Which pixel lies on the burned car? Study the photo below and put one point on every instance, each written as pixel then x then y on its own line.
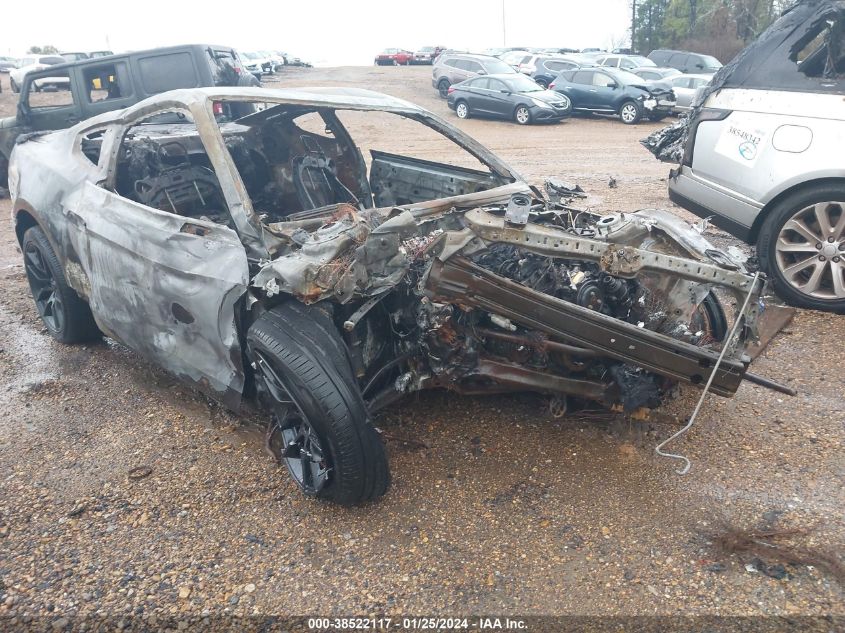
pixel 270 258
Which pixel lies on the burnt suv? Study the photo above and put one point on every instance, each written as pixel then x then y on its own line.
pixel 83 89
pixel 453 68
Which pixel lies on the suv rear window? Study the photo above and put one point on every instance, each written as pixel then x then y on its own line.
pixel 160 73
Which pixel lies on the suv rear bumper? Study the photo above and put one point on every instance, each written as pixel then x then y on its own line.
pixel 730 213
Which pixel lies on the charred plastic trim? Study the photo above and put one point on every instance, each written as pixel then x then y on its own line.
pixel 460 281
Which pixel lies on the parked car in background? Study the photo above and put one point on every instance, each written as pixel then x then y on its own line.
pixel 591 50
pixel 625 62
pixel 655 73
pixel 427 54
pixel 256 63
pixel 95 54
pixel 688 63
pixel 74 57
pixel 685 88
pixel 763 154
pixel 514 58
pixel 394 57
pixel 615 91
pixel 560 51
pixel 29 64
pixel 546 69
pixel 8 63
pixel 454 68
pixel 110 83
pixel 510 96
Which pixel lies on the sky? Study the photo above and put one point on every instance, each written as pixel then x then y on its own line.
pixel 325 32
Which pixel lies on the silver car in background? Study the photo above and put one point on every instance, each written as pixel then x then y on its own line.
pixel 763 154
pixel 685 88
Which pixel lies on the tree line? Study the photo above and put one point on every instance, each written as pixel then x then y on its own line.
pixel 720 28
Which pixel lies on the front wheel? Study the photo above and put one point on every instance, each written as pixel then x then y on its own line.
pixel 802 247
pixel 522 115
pixel 66 316
pixel 320 427
pixel 631 112
pixel 462 109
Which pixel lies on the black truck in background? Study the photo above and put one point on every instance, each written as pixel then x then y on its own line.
pixel 61 96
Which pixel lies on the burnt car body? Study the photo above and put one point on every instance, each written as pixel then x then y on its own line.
pixel 256 258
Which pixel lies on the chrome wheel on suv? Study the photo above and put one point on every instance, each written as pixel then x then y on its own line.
pixel 810 249
pixel 802 247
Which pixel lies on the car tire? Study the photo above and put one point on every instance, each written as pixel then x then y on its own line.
pixel 462 109
pixel 66 316
pixel 522 115
pixel 630 112
pixel 299 356
pixel 542 83
pixel 802 247
pixel 443 88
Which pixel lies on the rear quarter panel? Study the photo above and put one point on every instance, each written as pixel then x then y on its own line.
pixel 758 150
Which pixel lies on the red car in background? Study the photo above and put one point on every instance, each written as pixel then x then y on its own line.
pixel 394 57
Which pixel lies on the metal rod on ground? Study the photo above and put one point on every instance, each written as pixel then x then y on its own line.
pixel 725 346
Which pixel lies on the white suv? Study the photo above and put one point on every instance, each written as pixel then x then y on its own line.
pixel 763 154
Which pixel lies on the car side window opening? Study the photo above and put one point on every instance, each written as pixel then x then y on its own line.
pixel 474 67
pixel 821 51
pixel 91 144
pixel 583 77
pixel 106 81
pixel 50 92
pixel 602 80
pixel 162 163
pixel 497 85
pixel 482 83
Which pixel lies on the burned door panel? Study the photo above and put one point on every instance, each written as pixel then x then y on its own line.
pixel 398 180
pixel 166 286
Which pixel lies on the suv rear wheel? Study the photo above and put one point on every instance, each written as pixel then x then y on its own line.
pixel 802 247
pixel 443 88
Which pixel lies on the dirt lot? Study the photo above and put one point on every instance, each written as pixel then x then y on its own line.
pixel 508 511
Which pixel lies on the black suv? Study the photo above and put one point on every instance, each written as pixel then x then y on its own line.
pixel 80 90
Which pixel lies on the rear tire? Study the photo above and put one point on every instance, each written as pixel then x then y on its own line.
pixel 66 316
pixel 303 364
pixel 630 112
pixel 443 88
pixel 542 83
pixel 794 261
pixel 462 109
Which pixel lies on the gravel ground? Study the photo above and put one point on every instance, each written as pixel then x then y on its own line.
pixel 508 511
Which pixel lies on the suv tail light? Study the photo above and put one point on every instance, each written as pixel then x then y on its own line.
pixel 552 86
pixel 217 108
pixel 451 90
